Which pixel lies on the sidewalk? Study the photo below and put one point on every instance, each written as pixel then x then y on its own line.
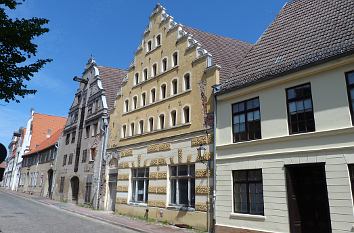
pixel 105 216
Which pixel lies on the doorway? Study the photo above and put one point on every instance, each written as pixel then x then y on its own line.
pixel 50 182
pixel 75 189
pixel 112 184
pixel 308 198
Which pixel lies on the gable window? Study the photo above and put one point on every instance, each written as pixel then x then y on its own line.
pixel 153 95
pixel 132 129
pixel 135 102
pixel 87 131
pixel 174 87
pixel 154 70
pixel 143 99
pixel 164 65
pixel 158 40
pixel 136 78
pixel 145 74
pixel 163 91
pixel 151 124
pixel 174 59
pixel 300 111
pixel 162 121
pixel 124 131
pixel 183 185
pixel 64 160
pixel 186 115
pixel 246 120
pixel 84 156
pixel 248 192
pixel 173 118
pixel 140 184
pixel 126 105
pixel 350 87
pixel 70 159
pixel 67 139
pixel 149 46
pixel 187 81
pixel 141 127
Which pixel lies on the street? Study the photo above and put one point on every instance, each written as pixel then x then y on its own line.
pixel 21 215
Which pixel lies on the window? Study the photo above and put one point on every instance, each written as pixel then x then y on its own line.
pixel 246 120
pixel 173 118
pixel 174 87
pixel 162 121
pixel 248 192
pixel 151 124
pixel 163 91
pixel 174 59
pixel 300 111
pixel 154 70
pixel 183 185
pixel 67 139
pixel 153 95
pixel 73 137
pixel 186 115
pixel 64 160
pixel 187 82
pixel 132 129
pixel 87 131
pixel 141 127
pixel 70 159
pixel 164 65
pixel 89 110
pixel 126 106
pixel 351 174
pixel 136 79
pixel 94 130
pixel 61 186
pixel 145 74
pixel 149 46
pixel 88 189
pixel 135 102
pixel 124 131
pixel 158 40
pixel 140 185
pixel 84 156
pixel 350 87
pixel 143 99
pixel 92 154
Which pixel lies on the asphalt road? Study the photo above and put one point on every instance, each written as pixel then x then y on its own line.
pixel 19 215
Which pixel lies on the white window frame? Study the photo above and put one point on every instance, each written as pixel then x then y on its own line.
pixel 184 81
pixel 134 102
pixel 191 178
pixel 152 75
pixel 171 93
pixel 164 121
pixel 147 46
pixel 134 184
pixel 161 91
pixel 136 78
pixel 183 114
pixel 162 70
pixel 154 88
pixel 142 99
pixel 126 105
pixel 173 64
pixel 176 118
pixel 132 129
pixel 124 131
pixel 156 44
pixel 151 129
pixel 147 74
pixel 141 130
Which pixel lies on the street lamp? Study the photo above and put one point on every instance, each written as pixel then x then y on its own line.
pixel 80 80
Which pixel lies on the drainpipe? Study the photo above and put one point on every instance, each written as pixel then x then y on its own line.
pixel 54 168
pixel 103 153
pixel 216 89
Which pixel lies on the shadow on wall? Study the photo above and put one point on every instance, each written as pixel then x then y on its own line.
pixel 3 153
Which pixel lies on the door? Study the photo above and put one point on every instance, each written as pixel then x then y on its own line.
pixel 75 189
pixel 112 191
pixel 308 199
pixel 50 182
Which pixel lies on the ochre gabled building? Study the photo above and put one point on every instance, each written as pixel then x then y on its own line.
pixel 161 128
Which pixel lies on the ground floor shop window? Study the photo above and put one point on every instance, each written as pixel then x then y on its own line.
pixel 248 192
pixel 183 185
pixel 140 185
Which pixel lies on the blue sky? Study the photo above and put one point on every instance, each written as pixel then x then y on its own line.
pixel 111 30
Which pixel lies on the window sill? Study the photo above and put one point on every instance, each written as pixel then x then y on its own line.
pixel 180 208
pixel 152 50
pixel 155 77
pixel 247 217
pixel 141 204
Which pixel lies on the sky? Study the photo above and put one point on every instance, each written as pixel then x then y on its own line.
pixel 110 31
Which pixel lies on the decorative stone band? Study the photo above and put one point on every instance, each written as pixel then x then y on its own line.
pixel 202 140
pixel 158 147
pixel 158 162
pixel 121 200
pixel 203 190
pixel 157 189
pixel 122 188
pixel 206 156
pixel 201 206
pixel 123 165
pixel 123 177
pixel 157 175
pixel 126 153
pixel 202 173
pixel 161 204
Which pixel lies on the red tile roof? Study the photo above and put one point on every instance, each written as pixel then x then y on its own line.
pixel 48 142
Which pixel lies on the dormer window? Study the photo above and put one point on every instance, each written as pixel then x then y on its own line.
pixel 136 79
pixel 158 40
pixel 174 59
pixel 164 65
pixel 149 46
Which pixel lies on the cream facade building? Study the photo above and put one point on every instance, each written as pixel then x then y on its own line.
pixel 161 142
pixel 285 136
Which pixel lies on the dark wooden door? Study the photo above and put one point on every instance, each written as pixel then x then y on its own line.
pixel 308 199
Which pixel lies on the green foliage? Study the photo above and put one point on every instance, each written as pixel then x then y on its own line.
pixel 16 47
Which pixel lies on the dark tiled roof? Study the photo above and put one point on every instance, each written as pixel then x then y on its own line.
pixel 305 33
pixel 111 80
pixel 226 52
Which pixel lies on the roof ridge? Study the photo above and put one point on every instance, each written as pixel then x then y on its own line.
pixel 51 115
pixel 111 67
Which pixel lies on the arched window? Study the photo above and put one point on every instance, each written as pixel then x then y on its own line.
pixel 143 99
pixel 174 87
pixel 174 59
pixel 186 114
pixel 126 106
pixel 164 65
pixel 145 74
pixel 124 131
pixel 173 119
pixel 154 70
pixel 135 102
pixel 187 81
pixel 136 78
pixel 158 40
pixel 132 129
pixel 151 124
pixel 163 91
pixel 162 121
pixel 149 46
pixel 152 95
pixel 141 127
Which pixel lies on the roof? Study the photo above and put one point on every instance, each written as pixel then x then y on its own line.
pixel 305 33
pixel 226 52
pixel 49 142
pixel 112 81
pixel 43 124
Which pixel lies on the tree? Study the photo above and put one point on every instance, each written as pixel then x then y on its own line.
pixel 16 47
